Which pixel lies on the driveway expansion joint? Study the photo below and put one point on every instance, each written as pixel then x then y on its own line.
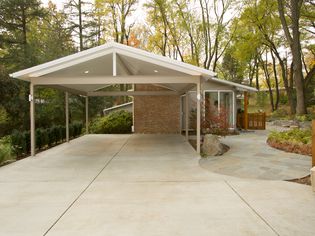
pixel 252 208
pixel 84 190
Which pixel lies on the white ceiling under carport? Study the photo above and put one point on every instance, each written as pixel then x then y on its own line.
pixel 95 67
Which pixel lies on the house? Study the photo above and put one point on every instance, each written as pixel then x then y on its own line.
pixel 164 90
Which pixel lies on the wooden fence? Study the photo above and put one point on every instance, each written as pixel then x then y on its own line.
pixel 256 121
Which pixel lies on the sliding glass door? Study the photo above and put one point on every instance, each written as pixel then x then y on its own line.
pixel 219 102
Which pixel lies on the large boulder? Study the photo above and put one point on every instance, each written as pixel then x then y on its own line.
pixel 212 146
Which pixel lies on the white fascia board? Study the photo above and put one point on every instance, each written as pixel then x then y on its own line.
pixel 105 49
pixel 162 60
pixel 239 86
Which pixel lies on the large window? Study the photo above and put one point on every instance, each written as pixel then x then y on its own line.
pixel 217 102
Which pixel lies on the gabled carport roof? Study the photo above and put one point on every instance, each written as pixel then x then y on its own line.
pixel 113 63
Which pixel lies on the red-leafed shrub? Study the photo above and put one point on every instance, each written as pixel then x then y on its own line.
pixel 215 120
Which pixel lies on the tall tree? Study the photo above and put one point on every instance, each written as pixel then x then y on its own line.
pixel 119 11
pixel 293 38
pixel 15 19
pixel 50 38
pixel 81 21
pixel 216 36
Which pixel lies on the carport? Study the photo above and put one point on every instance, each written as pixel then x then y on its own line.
pixel 86 73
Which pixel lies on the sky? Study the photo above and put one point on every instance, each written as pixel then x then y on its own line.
pixel 59 3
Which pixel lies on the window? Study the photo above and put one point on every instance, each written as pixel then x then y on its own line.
pixel 216 101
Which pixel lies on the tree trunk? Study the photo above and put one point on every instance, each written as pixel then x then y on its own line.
pixel 274 66
pixel 80 25
pixel 295 46
pixel 297 60
pixel 287 84
pixel 257 74
pixel 264 65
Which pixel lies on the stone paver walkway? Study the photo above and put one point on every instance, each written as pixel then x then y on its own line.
pixel 251 157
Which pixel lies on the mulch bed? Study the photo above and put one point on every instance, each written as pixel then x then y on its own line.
pixel 304 149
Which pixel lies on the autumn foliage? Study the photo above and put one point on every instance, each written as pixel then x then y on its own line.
pixel 215 120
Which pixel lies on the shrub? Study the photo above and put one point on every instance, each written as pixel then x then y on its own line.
pixel 5 149
pixel 18 142
pixel 279 114
pixel 216 121
pixel 119 122
pixel 26 142
pixel 44 137
pixel 297 136
pixel 51 136
pixel 63 132
pixel 302 118
pixel 296 141
pixel 21 143
pixel 38 138
pixel 71 130
pixel 77 128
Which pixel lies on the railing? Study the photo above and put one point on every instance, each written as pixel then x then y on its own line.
pixel 256 121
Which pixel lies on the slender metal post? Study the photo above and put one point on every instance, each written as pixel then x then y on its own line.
pixel 198 116
pixel 186 115
pixel 67 115
pixel 86 114
pixel 32 118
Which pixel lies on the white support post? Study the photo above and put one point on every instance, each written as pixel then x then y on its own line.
pixel 186 114
pixel 67 115
pixel 198 116
pixel 86 114
pixel 32 118
pixel 234 111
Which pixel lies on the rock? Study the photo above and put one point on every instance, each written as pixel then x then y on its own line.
pixel 212 146
pixel 285 123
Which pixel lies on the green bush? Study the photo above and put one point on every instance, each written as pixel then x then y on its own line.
pixel 295 136
pixel 41 138
pixel 281 113
pixel 5 149
pixel 77 128
pixel 18 142
pixel 27 142
pixel 307 117
pixel 38 138
pixel 21 142
pixel 51 136
pixel 119 122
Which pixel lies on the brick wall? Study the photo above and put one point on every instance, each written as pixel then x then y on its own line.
pixel 156 114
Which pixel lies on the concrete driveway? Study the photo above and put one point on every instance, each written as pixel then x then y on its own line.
pixel 143 185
